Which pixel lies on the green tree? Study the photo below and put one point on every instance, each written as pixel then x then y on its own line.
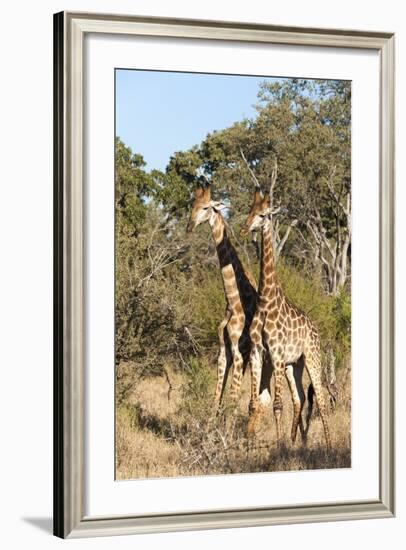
pixel 169 296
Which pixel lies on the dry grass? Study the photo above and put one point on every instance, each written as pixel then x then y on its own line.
pixel 161 433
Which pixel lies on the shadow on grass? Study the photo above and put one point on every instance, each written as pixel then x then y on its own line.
pixel 296 459
pixel 161 427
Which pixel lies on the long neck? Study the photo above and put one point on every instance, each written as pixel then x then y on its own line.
pixel 268 283
pixel 218 229
pixel 230 266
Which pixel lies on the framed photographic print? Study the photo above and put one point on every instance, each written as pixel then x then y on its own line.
pixel 224 293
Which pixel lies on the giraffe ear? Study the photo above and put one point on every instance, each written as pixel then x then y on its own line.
pixel 218 205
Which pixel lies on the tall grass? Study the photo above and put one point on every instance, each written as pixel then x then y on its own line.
pixel 163 430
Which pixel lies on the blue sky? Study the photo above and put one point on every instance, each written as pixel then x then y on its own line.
pixel 158 113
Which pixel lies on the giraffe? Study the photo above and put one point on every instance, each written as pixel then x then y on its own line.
pixel 282 329
pixel 241 301
pixel 241 304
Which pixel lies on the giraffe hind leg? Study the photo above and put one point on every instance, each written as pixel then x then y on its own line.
pixel 235 329
pixel 294 375
pixel 310 401
pixel 224 361
pixel 255 364
pixel 313 366
pixel 298 374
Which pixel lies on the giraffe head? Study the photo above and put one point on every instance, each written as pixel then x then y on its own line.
pixel 261 211
pixel 203 207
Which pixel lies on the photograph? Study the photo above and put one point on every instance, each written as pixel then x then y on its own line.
pixel 232 274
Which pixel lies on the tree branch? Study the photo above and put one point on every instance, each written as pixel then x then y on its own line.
pixel 345 208
pixel 274 176
pixel 322 233
pixel 250 169
pixel 282 242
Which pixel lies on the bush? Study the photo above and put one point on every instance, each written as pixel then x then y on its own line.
pixel 198 390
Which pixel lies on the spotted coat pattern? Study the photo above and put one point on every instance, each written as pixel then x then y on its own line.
pixel 285 332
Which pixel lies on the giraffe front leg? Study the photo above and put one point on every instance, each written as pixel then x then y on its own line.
pixel 238 363
pixel 237 373
pixel 255 364
pixel 260 382
pixel 298 374
pixel 294 378
pixel 235 329
pixel 223 363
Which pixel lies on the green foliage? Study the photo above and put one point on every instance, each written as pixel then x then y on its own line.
pixel 208 299
pixel 172 192
pixel 132 186
pixel 342 316
pixel 144 322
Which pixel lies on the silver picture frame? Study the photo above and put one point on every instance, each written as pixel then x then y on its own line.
pixel 70 520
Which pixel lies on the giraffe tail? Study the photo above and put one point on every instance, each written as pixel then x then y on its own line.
pixel 333 392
